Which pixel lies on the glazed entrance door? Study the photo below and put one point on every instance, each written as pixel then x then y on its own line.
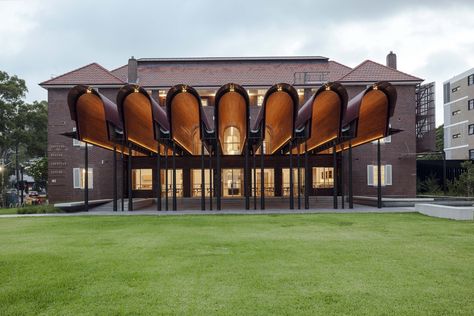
pixel 232 182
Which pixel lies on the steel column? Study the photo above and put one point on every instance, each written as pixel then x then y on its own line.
pixel 379 177
pixel 246 179
pixel 86 178
pixel 307 171
pixel 115 179
pixel 129 171
pixel 203 186
pixel 342 177
pixel 122 195
pixel 158 176
pixel 210 180
pixel 351 194
pixel 298 175
pixel 262 179
pixel 292 203
pixel 254 179
pixel 174 177
pixel 334 176
pixel 218 176
pixel 166 178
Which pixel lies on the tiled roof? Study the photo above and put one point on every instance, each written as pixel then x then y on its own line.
pixel 246 73
pixel 370 71
pixel 92 74
pixel 121 73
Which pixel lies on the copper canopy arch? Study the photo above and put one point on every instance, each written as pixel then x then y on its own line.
pixel 275 122
pixel 144 121
pixel 321 116
pixel 368 115
pixel 232 111
pixel 97 118
pixel 186 118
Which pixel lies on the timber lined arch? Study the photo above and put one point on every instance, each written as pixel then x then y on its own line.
pixel 184 110
pixel 97 119
pixel 232 110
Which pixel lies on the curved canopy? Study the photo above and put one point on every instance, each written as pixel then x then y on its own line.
pixel 276 120
pixel 143 119
pixel 231 113
pixel 322 115
pixel 97 118
pixel 368 114
pixel 186 118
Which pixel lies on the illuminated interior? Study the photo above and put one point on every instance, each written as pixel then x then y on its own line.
pixel 232 113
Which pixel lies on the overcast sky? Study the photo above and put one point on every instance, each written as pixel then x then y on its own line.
pixel 433 39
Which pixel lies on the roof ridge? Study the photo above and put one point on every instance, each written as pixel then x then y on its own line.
pixel 79 69
pixel 378 64
pixel 119 68
pixel 340 64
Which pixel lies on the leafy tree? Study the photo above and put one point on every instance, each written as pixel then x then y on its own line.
pixel 38 169
pixel 464 185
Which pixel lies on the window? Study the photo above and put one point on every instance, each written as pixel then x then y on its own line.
pixel 231 141
pixel 456 112
pixel 470 104
pixel 268 182
pixel 471 129
pixel 204 102
pixel 285 190
pixel 259 100
pixel 76 142
pixel 323 178
pixel 470 80
pixel 455 89
pixel 456 135
pixel 372 175
pixel 142 179
pixel 179 182
pixel 196 181
pixel 471 154
pixel 79 178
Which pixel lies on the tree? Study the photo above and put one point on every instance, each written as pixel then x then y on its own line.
pixel 38 169
pixel 464 185
pixel 439 141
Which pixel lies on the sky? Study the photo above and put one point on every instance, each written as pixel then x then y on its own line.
pixel 433 40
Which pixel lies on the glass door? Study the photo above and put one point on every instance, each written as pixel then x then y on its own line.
pixel 232 182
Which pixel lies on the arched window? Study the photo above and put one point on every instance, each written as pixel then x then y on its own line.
pixel 231 144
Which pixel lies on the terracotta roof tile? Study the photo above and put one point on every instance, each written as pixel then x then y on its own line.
pixel 92 74
pixel 370 71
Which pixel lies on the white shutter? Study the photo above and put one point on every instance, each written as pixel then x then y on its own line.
pixel 75 142
pixel 388 174
pixel 370 175
pixel 90 179
pixel 76 176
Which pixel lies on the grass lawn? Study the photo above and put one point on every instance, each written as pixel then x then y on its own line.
pixel 318 264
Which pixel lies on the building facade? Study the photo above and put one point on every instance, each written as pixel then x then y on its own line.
pixel 458 95
pixel 256 75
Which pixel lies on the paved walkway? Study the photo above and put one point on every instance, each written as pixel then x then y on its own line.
pixel 149 212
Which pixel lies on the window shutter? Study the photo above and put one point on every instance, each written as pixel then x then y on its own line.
pixel 76 175
pixel 370 175
pixel 388 174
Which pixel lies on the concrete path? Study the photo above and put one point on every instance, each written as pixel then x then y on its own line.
pixel 357 209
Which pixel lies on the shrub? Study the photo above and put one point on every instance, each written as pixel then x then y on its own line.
pixel 38 209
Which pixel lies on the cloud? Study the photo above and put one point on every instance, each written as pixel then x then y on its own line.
pixel 433 40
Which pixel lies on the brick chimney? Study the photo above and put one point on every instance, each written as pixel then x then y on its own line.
pixel 132 70
pixel 392 60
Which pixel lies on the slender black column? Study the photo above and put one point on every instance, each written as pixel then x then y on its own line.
pixel 115 179
pixel 254 180
pixel 342 177
pixel 122 195
pixel 203 186
pixel 379 177
pixel 86 178
pixel 210 179
pixel 292 203
pixel 130 198
pixel 174 177
pixel 298 174
pixel 218 178
pixel 246 179
pixel 166 178
pixel 262 179
pixel 335 177
pixel 444 173
pixel 351 194
pixel 158 181
pixel 307 171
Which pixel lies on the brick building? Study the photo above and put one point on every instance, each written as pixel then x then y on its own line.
pixel 256 75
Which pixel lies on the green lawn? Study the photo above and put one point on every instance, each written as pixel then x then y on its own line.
pixel 363 264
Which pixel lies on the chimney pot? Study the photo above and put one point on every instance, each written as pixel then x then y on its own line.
pixel 132 70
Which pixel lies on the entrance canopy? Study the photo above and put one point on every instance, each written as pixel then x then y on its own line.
pixel 325 121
